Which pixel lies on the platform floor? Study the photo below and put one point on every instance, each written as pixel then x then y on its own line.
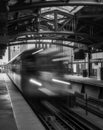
pixel 7 120
pixel 15 114
pixel 85 80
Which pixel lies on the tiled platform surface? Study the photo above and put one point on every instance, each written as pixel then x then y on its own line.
pixel 15 114
pixel 7 120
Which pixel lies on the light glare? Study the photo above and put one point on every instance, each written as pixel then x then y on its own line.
pixel 60 81
pixel 35 82
pixel 47 91
pixel 37 51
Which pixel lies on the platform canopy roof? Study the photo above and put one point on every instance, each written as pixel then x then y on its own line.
pixel 75 21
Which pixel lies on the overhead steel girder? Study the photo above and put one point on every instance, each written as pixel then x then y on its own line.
pixel 42 38
pixel 64 13
pixel 48 12
pixel 58 12
pixel 53 43
pixel 52 33
pixel 20 19
pixel 30 17
pixel 48 38
pixel 90 16
pixel 55 3
pixel 65 23
pixel 51 21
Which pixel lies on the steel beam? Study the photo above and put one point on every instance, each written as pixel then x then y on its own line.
pixel 39 42
pixel 10 22
pixel 51 38
pixel 52 33
pixel 65 23
pixel 91 16
pixel 55 3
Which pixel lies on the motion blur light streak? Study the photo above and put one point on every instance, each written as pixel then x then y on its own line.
pixel 60 59
pixel 46 91
pixel 60 81
pixel 37 51
pixel 35 82
pixel 31 41
pixel 50 50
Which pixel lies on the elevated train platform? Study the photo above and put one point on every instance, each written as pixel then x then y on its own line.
pixel 86 85
pixel 15 114
pixel 7 119
pixel 85 80
pixel 75 29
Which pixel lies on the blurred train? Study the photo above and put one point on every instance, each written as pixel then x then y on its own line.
pixel 39 73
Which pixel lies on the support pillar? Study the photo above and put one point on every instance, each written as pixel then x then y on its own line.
pixel 9 56
pixel 89 64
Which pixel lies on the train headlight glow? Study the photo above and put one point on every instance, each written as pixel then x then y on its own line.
pixel 60 81
pixel 35 82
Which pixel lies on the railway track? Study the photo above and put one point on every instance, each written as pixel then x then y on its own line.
pixel 50 119
pixel 75 119
pixel 91 100
pixel 90 106
pixel 95 101
pixel 56 117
